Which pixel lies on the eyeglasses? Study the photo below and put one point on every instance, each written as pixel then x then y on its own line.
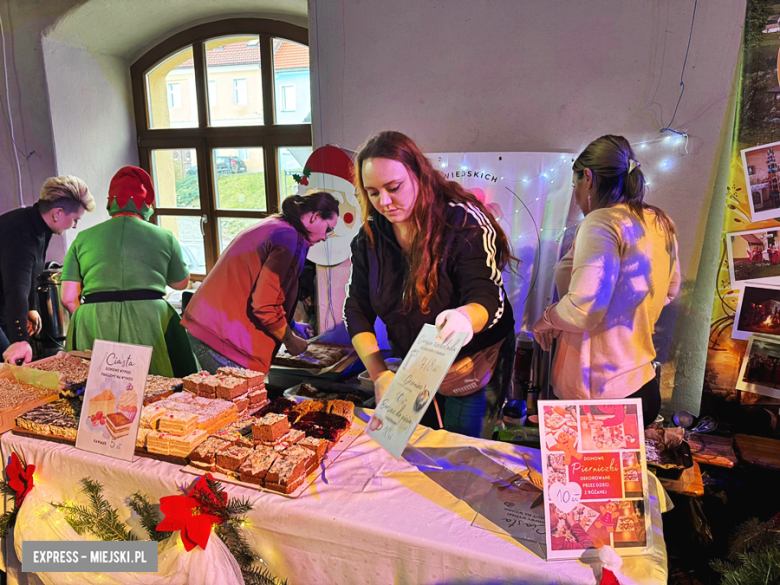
pixel 329 233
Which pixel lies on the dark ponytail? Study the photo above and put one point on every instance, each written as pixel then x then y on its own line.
pixel 618 178
pixel 295 206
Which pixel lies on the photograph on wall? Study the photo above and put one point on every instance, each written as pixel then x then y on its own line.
pixel 758 311
pixel 754 256
pixel 760 371
pixel 595 472
pixel 762 176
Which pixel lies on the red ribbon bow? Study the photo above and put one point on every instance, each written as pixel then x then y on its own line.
pixel 20 478
pixel 186 514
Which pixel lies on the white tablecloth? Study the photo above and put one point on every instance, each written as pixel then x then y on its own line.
pixel 367 519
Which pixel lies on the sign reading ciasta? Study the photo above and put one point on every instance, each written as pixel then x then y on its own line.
pixel 113 399
pixel 412 390
pixel 595 476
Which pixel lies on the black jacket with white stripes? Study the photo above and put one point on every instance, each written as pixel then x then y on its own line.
pixel 467 274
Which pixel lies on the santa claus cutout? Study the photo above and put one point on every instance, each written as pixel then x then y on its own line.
pixel 330 169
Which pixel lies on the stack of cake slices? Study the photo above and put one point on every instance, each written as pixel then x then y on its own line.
pixel 244 388
pixel 178 424
pixel 276 450
pixel 59 418
pixel 160 387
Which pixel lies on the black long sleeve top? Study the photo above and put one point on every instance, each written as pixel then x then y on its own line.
pixel 25 238
pixel 467 274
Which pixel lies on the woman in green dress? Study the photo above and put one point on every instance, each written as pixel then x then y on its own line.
pixel 121 267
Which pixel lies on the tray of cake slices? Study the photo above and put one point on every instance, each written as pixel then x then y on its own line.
pixel 72 371
pixel 320 358
pixel 326 390
pixel 283 448
pixel 22 390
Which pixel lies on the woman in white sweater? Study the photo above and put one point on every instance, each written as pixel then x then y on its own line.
pixel 619 274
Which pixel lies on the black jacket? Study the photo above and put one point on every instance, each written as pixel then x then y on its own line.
pixel 25 239
pixel 467 274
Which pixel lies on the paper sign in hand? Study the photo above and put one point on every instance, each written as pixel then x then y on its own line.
pixel 412 390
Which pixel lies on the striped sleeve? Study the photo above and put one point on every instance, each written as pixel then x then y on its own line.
pixel 477 275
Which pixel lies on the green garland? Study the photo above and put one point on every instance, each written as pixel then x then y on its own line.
pixel 754 555
pixel 8 519
pixel 102 520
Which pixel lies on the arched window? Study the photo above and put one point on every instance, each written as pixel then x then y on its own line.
pixel 223 116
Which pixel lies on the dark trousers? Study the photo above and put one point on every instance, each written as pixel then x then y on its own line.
pixel 4 343
pixel 650 394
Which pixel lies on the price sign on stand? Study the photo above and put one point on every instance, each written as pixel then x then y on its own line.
pixel 412 390
pixel 595 476
pixel 113 399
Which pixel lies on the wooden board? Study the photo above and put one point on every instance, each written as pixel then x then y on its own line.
pixel 342 445
pixel 690 482
pixel 758 451
pixel 712 450
pixel 58 439
pixel 8 417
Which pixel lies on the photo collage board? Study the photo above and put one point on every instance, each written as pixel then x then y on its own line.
pixel 595 477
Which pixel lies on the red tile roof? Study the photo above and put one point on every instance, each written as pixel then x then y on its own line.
pixel 287 55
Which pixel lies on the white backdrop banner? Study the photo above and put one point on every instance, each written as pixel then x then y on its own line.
pixel 529 193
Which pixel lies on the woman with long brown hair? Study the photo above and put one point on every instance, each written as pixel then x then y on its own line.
pixel 430 252
pixel 621 271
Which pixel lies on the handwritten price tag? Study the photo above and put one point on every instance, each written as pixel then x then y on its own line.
pixel 565 497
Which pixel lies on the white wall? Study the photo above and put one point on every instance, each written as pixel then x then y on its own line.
pixel 92 119
pixel 493 75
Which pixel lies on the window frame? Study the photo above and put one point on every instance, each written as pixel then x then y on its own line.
pixel 205 139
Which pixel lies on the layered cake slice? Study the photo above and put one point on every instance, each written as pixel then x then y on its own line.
pixel 287 473
pixel 159 387
pixel 140 440
pixel 183 446
pixel 342 408
pixel 150 414
pixel 192 382
pixel 230 458
pixel 157 442
pixel 289 438
pixel 308 456
pixel 207 388
pixel 229 387
pixel 118 425
pixel 256 466
pixel 178 423
pixel 257 396
pixel 241 402
pixel 205 455
pixel 253 379
pixel 271 427
pixel 318 446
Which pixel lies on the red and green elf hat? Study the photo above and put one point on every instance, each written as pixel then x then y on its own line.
pixel 131 191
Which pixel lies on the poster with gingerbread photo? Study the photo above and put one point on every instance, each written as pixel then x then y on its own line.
pixel 113 399
pixel 595 477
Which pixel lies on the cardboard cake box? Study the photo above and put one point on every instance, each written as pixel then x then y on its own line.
pixel 44 380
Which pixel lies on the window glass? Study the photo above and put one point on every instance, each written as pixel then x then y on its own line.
pixel 188 231
pixel 240 181
pixel 291 82
pixel 290 160
pixel 175 177
pixel 170 92
pixel 233 70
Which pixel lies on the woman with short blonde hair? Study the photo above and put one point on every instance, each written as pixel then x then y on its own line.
pixel 67 192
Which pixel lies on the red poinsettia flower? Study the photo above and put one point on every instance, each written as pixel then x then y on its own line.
pixel 184 513
pixel 203 493
pixel 20 478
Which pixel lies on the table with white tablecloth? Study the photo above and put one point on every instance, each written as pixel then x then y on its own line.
pixel 368 518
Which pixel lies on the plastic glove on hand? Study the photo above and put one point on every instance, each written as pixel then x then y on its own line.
pixel 453 321
pixel 303 330
pixel 382 383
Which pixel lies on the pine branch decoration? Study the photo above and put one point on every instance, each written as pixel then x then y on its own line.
pixel 99 518
pixel 754 556
pixel 147 513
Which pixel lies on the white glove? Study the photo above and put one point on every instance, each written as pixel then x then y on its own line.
pixel 382 383
pixel 453 321
pixel 303 330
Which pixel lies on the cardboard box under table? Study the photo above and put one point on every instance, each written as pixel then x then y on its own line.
pixel 368 518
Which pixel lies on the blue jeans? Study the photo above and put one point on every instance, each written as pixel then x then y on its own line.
pixel 475 415
pixel 208 358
